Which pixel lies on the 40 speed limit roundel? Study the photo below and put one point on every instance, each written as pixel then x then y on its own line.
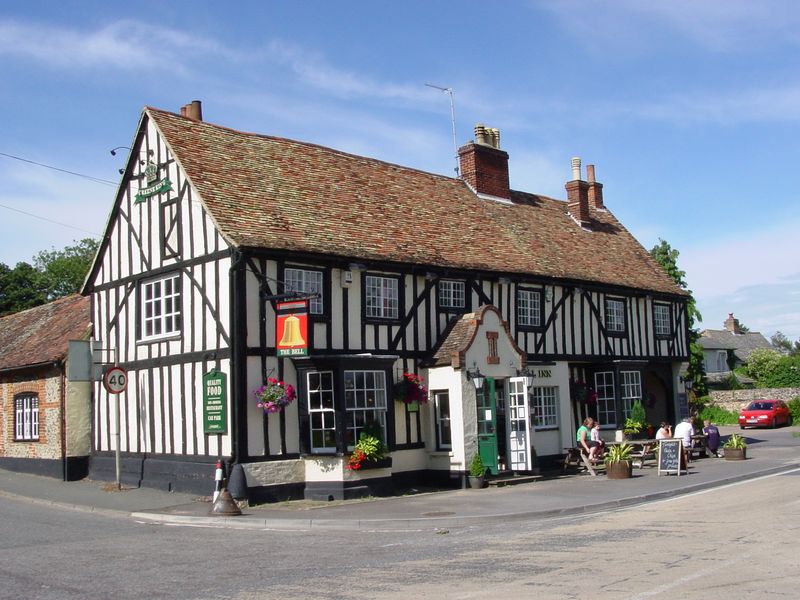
pixel 115 380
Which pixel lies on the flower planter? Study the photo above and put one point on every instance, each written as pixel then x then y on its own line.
pixel 619 470
pixel 384 463
pixel 735 453
pixel 476 483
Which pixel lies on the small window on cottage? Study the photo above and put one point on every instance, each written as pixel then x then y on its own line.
pixel 615 315
pixel 661 320
pixel 306 281
pixel 161 307
pixel 26 417
pixel 529 308
pixel 382 300
pixel 452 295
pixel 441 401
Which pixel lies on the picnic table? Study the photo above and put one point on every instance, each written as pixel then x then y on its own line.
pixel 643 450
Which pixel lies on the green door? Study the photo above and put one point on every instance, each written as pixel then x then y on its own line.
pixel 487 425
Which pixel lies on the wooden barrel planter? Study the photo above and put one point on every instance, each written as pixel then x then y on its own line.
pixel 619 470
pixel 735 453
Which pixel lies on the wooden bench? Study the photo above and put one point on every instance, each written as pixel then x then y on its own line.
pixel 576 457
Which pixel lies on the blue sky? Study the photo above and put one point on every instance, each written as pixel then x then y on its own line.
pixel 690 110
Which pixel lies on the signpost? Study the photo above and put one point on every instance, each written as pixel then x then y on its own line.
pixel 215 402
pixel 115 381
pixel 670 456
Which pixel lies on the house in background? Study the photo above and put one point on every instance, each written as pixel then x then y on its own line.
pixel 45 420
pixel 522 313
pixel 729 348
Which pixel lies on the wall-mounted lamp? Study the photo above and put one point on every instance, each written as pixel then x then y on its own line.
pixel 548 294
pixel 476 376
pixel 430 276
pixel 578 291
pixel 504 281
pixel 356 267
pixel 528 375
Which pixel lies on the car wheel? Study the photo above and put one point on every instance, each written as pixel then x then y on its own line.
pixel 741 426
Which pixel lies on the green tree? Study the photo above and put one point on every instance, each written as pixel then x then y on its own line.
pixel 782 343
pixel 64 270
pixel 54 274
pixel 667 257
pixel 21 288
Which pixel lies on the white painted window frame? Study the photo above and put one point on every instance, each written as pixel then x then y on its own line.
pixel 306 281
pixel 365 397
pixel 382 297
pixel 529 308
pixel 544 405
pixel 452 294
pixel 631 389
pixel 615 315
pixel 443 421
pixel 317 411
pixel 606 398
pixel 166 304
pixel 26 418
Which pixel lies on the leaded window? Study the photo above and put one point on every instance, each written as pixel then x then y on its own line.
pixel 26 417
pixel 529 308
pixel 306 281
pixel 452 295
pixel 382 297
pixel 161 307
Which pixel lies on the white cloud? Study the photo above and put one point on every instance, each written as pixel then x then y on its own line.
pixel 117 46
pixel 717 25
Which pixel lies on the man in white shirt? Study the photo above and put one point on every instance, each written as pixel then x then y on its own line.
pixel 684 431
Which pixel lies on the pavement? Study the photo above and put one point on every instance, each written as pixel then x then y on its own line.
pixel 769 452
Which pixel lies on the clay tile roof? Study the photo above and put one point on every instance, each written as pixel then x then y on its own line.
pixel 268 192
pixel 40 335
pixel 457 340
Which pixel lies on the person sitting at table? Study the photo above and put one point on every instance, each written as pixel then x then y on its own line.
pixel 601 445
pixel 712 437
pixel 664 432
pixel 584 439
pixel 684 430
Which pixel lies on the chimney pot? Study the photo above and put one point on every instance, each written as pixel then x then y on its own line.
pixel 194 110
pixel 595 189
pixel 483 165
pixel 576 168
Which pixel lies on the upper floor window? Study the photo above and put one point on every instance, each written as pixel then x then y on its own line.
pixel 306 281
pixel 529 308
pixel 382 297
pixel 661 320
pixel 452 295
pixel 615 315
pixel 26 417
pixel 161 307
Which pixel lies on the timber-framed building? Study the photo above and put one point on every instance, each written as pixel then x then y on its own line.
pixel 551 304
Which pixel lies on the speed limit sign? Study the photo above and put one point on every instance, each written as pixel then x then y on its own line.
pixel 115 380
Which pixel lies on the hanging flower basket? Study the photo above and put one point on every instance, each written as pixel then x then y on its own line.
pixel 411 389
pixel 274 395
pixel 582 392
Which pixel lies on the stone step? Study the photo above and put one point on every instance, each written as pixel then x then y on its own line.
pixel 504 480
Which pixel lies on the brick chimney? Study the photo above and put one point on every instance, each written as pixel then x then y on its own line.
pixel 483 165
pixel 193 110
pixel 595 189
pixel 578 195
pixel 732 324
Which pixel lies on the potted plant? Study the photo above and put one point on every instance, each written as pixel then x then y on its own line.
pixel 477 471
pixel 619 464
pixel 735 448
pixel 369 451
pixel 636 423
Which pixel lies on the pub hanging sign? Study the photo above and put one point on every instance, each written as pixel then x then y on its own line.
pixel 154 184
pixel 215 402
pixel 291 329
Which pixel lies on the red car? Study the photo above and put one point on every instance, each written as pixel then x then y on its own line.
pixel 765 413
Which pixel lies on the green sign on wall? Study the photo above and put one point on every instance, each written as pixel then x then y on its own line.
pixel 215 402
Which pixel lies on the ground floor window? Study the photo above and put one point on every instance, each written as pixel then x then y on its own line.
pixel 631 384
pixel 365 400
pixel 606 398
pixel 441 401
pixel 321 411
pixel 341 398
pixel 544 406
pixel 26 417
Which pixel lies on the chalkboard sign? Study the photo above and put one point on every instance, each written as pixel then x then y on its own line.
pixel 670 453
